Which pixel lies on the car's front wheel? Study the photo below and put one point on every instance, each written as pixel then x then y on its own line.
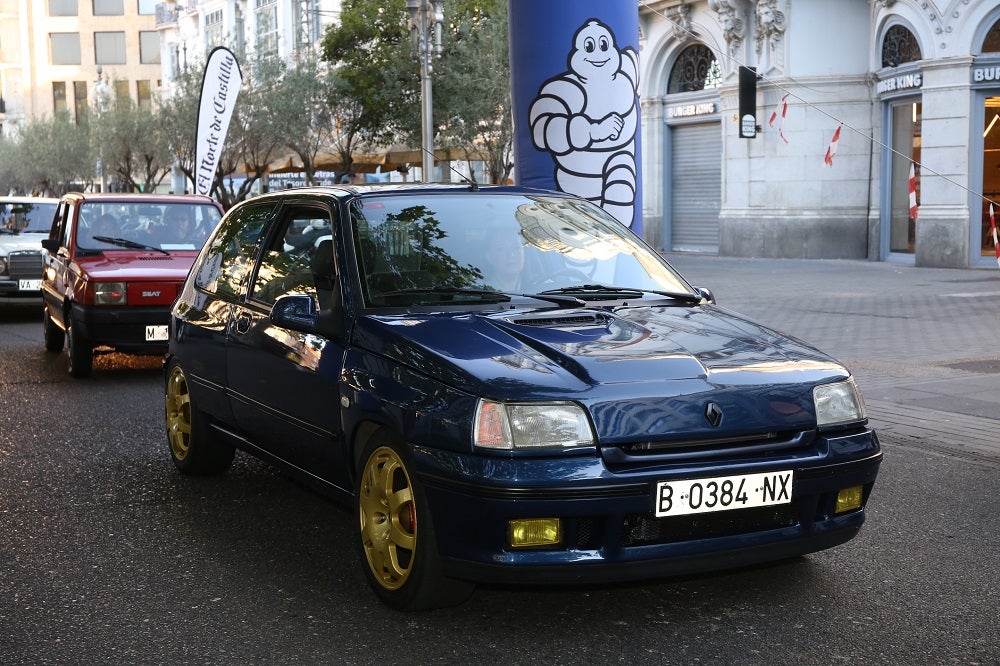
pixel 55 337
pixel 194 448
pixel 397 538
pixel 80 352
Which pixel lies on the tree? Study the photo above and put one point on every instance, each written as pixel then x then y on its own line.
pixel 378 81
pixel 474 111
pixel 50 155
pixel 373 58
pixel 307 106
pixel 178 118
pixel 131 145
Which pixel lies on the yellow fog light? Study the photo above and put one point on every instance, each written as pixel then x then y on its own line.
pixel 849 499
pixel 527 532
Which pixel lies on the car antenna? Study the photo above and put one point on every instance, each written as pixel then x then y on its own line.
pixel 473 185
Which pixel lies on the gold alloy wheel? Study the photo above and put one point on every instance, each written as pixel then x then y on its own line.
pixel 388 518
pixel 178 405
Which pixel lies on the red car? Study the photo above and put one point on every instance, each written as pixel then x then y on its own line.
pixel 115 265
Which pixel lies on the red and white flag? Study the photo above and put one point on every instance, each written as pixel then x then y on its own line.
pixel 779 115
pixel 913 193
pixel 996 242
pixel 831 150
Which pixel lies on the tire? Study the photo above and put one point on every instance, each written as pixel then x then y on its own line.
pixel 194 448
pixel 398 545
pixel 55 337
pixel 80 352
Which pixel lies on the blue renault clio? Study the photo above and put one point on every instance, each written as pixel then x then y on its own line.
pixel 509 386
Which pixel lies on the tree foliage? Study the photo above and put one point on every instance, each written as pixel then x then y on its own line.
pixel 474 112
pixel 49 156
pixel 130 143
pixel 373 57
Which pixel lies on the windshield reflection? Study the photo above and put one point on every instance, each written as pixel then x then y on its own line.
pixel 163 226
pixel 425 253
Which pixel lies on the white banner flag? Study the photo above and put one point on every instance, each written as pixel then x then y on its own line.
pixel 219 87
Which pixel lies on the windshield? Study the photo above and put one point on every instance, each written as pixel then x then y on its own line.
pixel 27 217
pixel 131 225
pixel 444 247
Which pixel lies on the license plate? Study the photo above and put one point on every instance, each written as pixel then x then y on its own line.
pixel 156 333
pixel 722 493
pixel 29 285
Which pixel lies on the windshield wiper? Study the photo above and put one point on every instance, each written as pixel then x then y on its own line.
pixel 131 244
pixel 448 292
pixel 600 291
pixel 490 295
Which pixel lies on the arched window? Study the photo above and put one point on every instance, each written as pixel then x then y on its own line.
pixel 696 69
pixel 899 46
pixel 992 42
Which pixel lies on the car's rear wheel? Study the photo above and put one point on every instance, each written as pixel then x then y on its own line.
pixel 194 448
pixel 55 337
pixel 397 538
pixel 80 352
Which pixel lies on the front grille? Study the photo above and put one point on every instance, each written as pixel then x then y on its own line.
pixel 25 265
pixel 759 445
pixel 645 529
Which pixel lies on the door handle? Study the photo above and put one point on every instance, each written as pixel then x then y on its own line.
pixel 242 323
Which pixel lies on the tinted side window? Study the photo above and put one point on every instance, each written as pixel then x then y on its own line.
pixel 290 262
pixel 229 256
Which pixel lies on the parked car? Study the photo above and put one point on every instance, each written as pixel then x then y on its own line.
pixel 509 386
pixel 24 221
pixel 114 266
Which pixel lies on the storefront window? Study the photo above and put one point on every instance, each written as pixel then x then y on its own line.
pixel 906 153
pixel 991 169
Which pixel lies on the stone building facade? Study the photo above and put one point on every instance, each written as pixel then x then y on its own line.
pixel 909 88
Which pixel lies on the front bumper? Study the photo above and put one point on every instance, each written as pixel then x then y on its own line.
pixel 11 289
pixel 609 532
pixel 125 329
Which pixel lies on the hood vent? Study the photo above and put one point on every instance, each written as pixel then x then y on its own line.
pixel 579 319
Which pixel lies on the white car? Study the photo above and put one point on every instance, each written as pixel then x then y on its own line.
pixel 24 222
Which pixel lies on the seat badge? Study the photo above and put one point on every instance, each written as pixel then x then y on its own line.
pixel 714 414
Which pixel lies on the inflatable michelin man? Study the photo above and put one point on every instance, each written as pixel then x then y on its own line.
pixel 586 119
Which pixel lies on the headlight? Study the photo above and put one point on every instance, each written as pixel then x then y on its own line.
pixel 531 426
pixel 838 403
pixel 109 293
pixel 3 265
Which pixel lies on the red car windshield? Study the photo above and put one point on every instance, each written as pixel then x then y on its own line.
pixel 130 225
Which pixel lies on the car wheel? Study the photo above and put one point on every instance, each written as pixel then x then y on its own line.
pixel 194 448
pixel 55 337
pixel 397 538
pixel 80 352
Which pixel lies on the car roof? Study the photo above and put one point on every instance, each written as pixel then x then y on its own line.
pixel 27 199
pixel 138 197
pixel 350 190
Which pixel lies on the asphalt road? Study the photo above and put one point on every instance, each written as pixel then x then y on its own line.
pixel 108 556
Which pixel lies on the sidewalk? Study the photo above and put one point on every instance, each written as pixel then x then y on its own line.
pixel 923 343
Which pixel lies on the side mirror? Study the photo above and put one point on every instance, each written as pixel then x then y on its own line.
pixel 298 312
pixel 51 244
pixel 706 294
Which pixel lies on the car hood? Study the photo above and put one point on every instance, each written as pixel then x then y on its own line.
pixel 22 241
pixel 128 265
pixel 632 368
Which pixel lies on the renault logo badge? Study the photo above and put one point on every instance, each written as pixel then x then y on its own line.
pixel 714 414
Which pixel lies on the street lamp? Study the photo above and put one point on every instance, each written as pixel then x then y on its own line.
pixel 102 98
pixel 426 17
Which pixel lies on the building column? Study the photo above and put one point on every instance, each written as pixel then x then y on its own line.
pixel 942 230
